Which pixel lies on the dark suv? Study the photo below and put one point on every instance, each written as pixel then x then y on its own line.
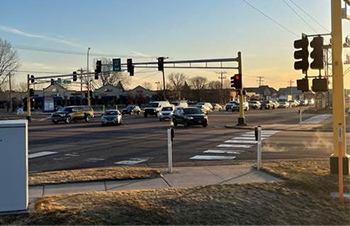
pixel 190 116
pixel 73 113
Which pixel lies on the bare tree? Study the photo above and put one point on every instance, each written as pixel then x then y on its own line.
pixel 214 85
pixel 147 85
pixel 21 87
pixel 198 83
pixel 176 82
pixel 9 61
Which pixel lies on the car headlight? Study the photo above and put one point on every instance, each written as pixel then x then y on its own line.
pixel 190 118
pixel 160 113
pixel 62 115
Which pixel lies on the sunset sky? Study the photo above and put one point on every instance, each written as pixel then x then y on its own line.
pixel 181 29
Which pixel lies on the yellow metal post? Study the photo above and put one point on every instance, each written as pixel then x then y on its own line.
pixel 29 113
pixel 88 94
pixel 338 90
pixel 241 117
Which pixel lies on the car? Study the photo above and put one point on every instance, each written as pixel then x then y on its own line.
pixel 131 109
pixel 182 103
pixel 190 116
pixel 206 104
pixel 304 102
pixel 230 104
pixel 311 102
pixel 275 104
pixel 267 104
pixel 113 117
pixel 203 107
pixel 154 107
pixel 235 107
pixel 217 107
pixel 166 113
pixel 254 104
pixel 293 103
pixel 73 113
pixel 283 104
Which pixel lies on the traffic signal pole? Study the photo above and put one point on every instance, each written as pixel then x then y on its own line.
pixel 338 91
pixel 29 113
pixel 241 117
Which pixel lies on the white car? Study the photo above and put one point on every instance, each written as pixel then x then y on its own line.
pixel 207 104
pixel 113 117
pixel 235 107
pixel 166 113
pixel 204 108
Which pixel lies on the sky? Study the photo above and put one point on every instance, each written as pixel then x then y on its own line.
pixel 181 29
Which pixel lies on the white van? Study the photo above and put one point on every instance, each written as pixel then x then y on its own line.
pixel 182 104
pixel 154 107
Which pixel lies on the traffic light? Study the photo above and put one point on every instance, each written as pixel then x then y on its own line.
pixel 117 65
pixel 160 63
pixel 96 74
pixel 301 54
pixel 236 81
pixel 320 85
pixel 52 82
pixel 98 66
pixel 75 76
pixel 238 92
pixel 303 85
pixel 130 67
pixel 31 92
pixel 317 53
pixel 32 79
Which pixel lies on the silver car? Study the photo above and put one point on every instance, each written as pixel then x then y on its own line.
pixel 113 117
pixel 166 113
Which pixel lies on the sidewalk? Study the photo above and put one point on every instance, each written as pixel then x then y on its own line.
pixel 181 177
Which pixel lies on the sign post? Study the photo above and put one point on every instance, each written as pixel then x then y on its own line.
pixel 170 149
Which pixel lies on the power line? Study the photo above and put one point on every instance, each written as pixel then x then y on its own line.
pixel 309 15
pixel 276 22
pixel 296 13
pixel 49 50
pixel 260 80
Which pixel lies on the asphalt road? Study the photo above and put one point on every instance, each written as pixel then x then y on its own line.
pixel 143 141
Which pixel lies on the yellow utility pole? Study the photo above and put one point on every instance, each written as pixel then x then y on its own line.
pixel 241 117
pixel 29 113
pixel 338 91
pixel 88 94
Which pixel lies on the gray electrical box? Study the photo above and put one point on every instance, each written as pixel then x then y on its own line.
pixel 13 165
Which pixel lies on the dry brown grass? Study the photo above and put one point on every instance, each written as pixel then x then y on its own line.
pixel 95 174
pixel 289 202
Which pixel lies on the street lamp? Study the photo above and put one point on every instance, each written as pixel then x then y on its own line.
pixel 87 70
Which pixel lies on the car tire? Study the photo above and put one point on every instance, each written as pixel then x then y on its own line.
pixel 138 113
pixel 145 115
pixel 186 124
pixel 121 122
pixel 160 119
pixel 205 124
pixel 68 120
pixel 87 118
pixel 175 123
pixel 54 121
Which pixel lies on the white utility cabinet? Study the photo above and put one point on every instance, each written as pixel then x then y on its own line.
pixel 13 165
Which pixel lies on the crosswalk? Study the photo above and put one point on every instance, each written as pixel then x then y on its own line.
pixel 233 147
pixel 317 119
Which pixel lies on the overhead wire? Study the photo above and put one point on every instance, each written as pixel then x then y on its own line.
pixel 270 18
pixel 296 13
pixel 306 13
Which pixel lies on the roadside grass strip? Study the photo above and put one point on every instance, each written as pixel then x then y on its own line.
pixel 132 161
pixel 41 154
pixel 317 119
pixel 212 157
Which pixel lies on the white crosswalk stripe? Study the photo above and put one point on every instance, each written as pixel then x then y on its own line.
pixel 41 154
pixel 132 161
pixel 317 119
pixel 233 147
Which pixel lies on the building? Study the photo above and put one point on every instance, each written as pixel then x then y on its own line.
pixel 109 95
pixel 261 92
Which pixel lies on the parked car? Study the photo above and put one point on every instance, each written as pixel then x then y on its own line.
pixel 166 113
pixel 254 104
pixel 113 117
pixel 304 102
pixel 181 103
pixel 235 107
pixel 311 102
pixel 283 104
pixel 275 104
pixel 154 107
pixel 73 113
pixel 131 109
pixel 217 107
pixel 267 104
pixel 205 108
pixel 190 116
pixel 293 103
pixel 230 104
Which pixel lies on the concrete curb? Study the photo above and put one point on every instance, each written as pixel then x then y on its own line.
pixel 292 128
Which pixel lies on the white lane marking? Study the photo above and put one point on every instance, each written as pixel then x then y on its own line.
pixel 41 154
pixel 253 135
pixel 61 158
pixel 317 119
pixel 94 160
pixel 246 138
pixel 71 155
pixel 265 132
pixel 212 157
pixel 132 161
pixel 223 152
pixel 234 146
pixel 241 141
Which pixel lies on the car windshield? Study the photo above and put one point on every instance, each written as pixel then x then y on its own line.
pixel 192 111
pixel 152 105
pixel 111 113
pixel 65 110
pixel 167 109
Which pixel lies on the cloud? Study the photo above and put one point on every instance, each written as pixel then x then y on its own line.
pixel 29 35
pixel 141 54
